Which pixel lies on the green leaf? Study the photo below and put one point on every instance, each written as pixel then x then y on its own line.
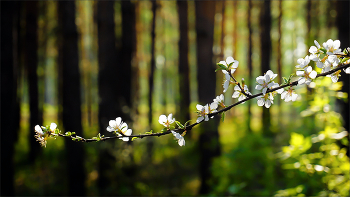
pixel 221 66
pixel 285 80
pixel 186 123
pixel 323 50
pixel 223 116
pixel 134 138
pixel 344 60
pixel 219 69
pixel 179 124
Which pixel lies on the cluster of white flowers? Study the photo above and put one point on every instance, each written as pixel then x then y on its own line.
pixel 41 133
pixel 266 83
pixel 326 57
pixel 120 128
pixel 166 122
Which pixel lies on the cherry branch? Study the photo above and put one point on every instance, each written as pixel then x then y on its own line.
pixel 189 127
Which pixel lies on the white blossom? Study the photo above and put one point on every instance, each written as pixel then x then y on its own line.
pixel 335 76
pixel 289 95
pixel 39 135
pixel 332 46
pixel 119 127
pixel 266 100
pixel 203 111
pixel 219 100
pixel 238 92
pixel 347 70
pixel 226 82
pixel 180 138
pixel 53 126
pixel 333 60
pixel 38 130
pixel 315 52
pixel 306 75
pixel 231 65
pixel 303 62
pixel 265 82
pixel 166 121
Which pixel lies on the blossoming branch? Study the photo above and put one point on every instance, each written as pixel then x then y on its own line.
pixel 328 57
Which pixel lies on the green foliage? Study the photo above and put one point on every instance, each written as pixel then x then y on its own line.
pixel 322 156
pixel 98 137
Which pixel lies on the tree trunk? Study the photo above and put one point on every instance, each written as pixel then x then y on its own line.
pixel 249 61
pixel 9 101
pixel 71 101
pixel 107 87
pixel 265 40
pixel 209 146
pixel 343 22
pixel 153 64
pixel 127 54
pixel 183 62
pixel 31 56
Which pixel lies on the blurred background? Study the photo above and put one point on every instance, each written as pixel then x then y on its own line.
pixel 82 63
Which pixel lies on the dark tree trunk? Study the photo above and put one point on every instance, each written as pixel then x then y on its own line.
pixel 107 86
pixel 343 23
pixel 153 64
pixel 127 54
pixel 235 29
pixel 71 99
pixel 249 62
pixel 265 39
pixel 223 27
pixel 31 64
pixel 9 101
pixel 184 85
pixel 209 146
pixel 279 48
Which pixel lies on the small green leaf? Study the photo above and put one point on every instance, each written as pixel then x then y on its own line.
pixel 134 138
pixel 179 124
pixel 219 69
pixel 223 116
pixel 164 130
pixel 344 60
pixel 285 80
pixel 186 123
pixel 323 50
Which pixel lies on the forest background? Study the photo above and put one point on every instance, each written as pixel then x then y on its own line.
pixel 83 63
